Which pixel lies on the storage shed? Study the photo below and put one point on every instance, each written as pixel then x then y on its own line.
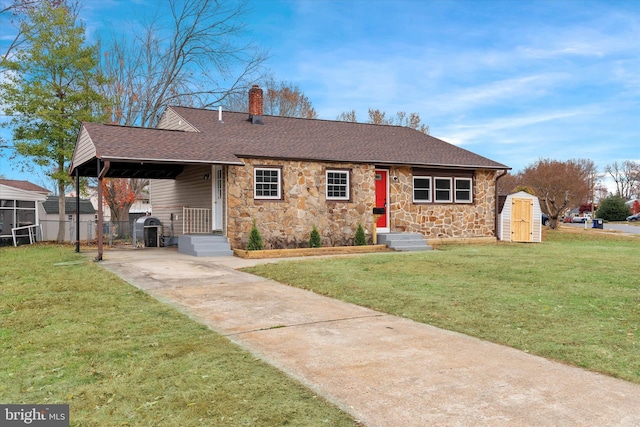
pixel 520 218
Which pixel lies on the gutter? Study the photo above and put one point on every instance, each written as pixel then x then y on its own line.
pixel 497 202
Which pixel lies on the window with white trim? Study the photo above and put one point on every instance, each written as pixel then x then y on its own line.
pixel 422 189
pixel 267 183
pixel 463 190
pixel 442 190
pixel 337 185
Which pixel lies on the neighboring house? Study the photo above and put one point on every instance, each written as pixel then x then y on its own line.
pixel 217 171
pixel 50 222
pixel 140 207
pixel 19 202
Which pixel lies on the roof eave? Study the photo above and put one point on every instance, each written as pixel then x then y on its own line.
pixel 382 162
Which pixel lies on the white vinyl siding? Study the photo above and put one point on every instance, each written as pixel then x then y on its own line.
pixel 337 185
pixel 192 189
pixel 267 183
pixel 85 150
pixel 172 120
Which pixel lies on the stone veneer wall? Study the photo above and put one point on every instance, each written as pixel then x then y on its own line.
pixel 443 219
pixel 287 223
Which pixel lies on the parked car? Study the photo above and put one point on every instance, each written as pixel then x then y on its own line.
pixel 545 220
pixel 580 219
pixel 634 217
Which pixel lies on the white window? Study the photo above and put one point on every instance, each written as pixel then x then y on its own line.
pixel 337 185
pixel 266 183
pixel 463 190
pixel 422 189
pixel 442 190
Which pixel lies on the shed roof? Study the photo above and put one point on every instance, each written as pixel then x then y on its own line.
pixel 51 206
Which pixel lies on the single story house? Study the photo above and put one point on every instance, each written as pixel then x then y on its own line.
pixel 49 218
pixel 218 172
pixel 19 207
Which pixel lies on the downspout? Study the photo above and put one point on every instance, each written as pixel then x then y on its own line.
pixel 101 173
pixel 77 210
pixel 497 197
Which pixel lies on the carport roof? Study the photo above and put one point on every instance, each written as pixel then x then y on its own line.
pixel 135 152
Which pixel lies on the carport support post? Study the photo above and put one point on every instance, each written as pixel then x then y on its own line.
pixel 77 210
pixel 101 173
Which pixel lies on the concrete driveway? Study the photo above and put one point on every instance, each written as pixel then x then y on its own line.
pixel 383 370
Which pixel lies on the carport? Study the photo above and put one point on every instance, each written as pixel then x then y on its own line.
pixel 113 151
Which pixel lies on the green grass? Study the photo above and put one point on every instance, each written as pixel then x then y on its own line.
pixel 72 333
pixel 574 298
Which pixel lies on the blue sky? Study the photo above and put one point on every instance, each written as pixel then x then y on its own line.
pixel 512 80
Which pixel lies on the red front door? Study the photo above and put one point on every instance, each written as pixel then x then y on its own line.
pixel 381 196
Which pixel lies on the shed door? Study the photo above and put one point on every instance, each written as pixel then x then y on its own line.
pixel 521 220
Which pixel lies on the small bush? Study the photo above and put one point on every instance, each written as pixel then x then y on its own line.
pixel 360 239
pixel 613 208
pixel 314 239
pixel 255 239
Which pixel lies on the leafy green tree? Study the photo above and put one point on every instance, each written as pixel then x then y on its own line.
pixel 255 239
pixel 360 239
pixel 49 89
pixel 613 208
pixel 315 241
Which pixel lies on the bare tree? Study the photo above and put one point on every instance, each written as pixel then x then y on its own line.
pixel 280 99
pixel 508 183
pixel 347 116
pixel 287 100
pixel 14 15
pixel 199 61
pixel 378 117
pixel 626 175
pixel 559 185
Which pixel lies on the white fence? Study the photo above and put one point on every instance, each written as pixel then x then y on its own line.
pixel 196 220
pixel 48 231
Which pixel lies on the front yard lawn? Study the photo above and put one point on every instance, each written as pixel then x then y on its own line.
pixel 75 334
pixel 574 298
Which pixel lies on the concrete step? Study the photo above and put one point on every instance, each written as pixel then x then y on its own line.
pixel 404 241
pixel 204 245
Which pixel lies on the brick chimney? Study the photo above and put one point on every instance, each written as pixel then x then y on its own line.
pixel 255 105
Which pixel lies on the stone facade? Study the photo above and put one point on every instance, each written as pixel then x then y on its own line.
pixel 439 220
pixel 287 223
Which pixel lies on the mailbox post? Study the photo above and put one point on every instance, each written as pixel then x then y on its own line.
pixel 377 213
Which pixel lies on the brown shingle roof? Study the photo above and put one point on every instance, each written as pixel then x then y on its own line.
pixel 294 138
pixel 24 185
pixel 123 142
pixel 279 138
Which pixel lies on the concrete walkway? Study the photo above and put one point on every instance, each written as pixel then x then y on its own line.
pixel 384 370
